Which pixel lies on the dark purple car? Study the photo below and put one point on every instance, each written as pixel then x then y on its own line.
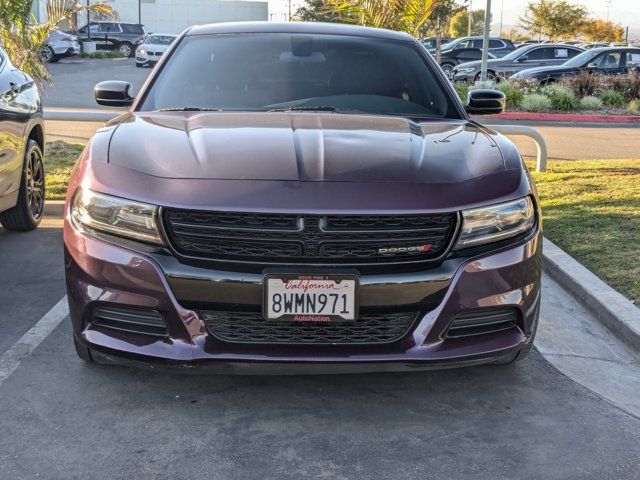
pixel 301 198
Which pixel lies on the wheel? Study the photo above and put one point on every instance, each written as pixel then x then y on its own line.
pixel 447 68
pixel 491 77
pixel 28 212
pixel 126 49
pixel 48 55
pixel 82 350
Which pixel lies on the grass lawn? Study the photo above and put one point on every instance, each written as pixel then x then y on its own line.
pixel 591 209
pixel 60 157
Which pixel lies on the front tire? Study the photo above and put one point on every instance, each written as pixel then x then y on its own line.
pixel 447 68
pixel 29 210
pixel 126 49
pixel 48 55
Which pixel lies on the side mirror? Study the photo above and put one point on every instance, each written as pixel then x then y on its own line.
pixel 113 93
pixel 485 102
pixel 523 58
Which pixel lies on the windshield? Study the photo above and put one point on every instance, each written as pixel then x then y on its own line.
pixel 159 40
pixel 517 53
pixel 580 60
pixel 275 71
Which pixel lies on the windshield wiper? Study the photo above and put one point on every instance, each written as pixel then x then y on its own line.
pixel 189 109
pixel 320 108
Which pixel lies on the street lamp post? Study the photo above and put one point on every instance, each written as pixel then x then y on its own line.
pixel 485 42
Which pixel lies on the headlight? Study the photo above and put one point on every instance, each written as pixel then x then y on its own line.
pixel 465 70
pixel 496 222
pixel 116 216
pixel 142 51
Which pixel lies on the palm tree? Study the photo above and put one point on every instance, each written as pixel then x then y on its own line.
pixel 404 15
pixel 21 36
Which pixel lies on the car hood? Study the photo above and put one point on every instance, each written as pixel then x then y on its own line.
pixel 478 63
pixel 155 47
pixel 302 162
pixel 303 147
pixel 542 70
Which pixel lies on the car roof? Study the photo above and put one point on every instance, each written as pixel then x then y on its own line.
pixel 160 34
pixel 610 49
pixel 297 27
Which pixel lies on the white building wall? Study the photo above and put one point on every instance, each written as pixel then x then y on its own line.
pixel 173 16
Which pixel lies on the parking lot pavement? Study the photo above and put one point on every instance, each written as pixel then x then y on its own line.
pixel 31 278
pixel 64 419
pixel 74 79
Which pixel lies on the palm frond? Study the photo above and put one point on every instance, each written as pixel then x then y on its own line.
pixel 22 36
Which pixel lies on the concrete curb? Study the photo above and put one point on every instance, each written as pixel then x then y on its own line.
pixel 54 208
pixel 569 117
pixel 616 312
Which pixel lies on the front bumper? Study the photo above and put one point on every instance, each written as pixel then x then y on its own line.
pixel 100 273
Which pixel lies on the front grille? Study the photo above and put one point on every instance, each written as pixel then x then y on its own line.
pixel 481 322
pixel 240 327
pixel 132 320
pixel 281 238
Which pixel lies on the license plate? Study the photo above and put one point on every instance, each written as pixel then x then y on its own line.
pixel 310 298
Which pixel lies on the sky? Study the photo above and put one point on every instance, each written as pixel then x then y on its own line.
pixel 626 12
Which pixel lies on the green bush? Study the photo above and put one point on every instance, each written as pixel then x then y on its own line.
pixel 563 98
pixel 634 107
pixel 585 84
pixel 103 54
pixel 462 89
pixel 612 98
pixel 590 103
pixel 536 102
pixel 513 93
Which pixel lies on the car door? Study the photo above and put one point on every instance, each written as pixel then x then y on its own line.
pixel 14 119
pixel 632 60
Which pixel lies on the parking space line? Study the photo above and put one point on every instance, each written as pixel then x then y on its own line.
pixel 11 359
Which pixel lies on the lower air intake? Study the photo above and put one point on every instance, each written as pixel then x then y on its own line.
pixel 482 322
pixel 241 327
pixel 132 320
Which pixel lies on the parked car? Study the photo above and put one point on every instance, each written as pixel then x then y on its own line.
pixel 120 36
pixel 450 58
pixel 497 46
pixel 605 61
pixel 149 52
pixel 22 182
pixel 430 42
pixel 524 57
pixel 301 197
pixel 59 44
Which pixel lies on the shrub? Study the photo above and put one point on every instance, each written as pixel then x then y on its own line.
pixel 590 103
pixel 634 107
pixel 462 89
pixel 634 85
pixel 536 102
pixel 584 84
pixel 514 93
pixel 612 98
pixel 563 98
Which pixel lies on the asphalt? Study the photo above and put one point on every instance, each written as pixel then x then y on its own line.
pixel 64 419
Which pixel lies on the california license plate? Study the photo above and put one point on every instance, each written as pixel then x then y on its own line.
pixel 310 298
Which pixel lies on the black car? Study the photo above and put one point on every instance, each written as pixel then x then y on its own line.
pixel 605 61
pixel 450 58
pixel 497 46
pixel 113 36
pixel 22 182
pixel 523 58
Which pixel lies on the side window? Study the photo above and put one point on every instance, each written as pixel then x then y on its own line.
pixel 573 52
pixel 93 28
pixel 633 59
pixel 496 44
pixel 607 61
pixel 561 53
pixel 477 43
pixel 539 54
pixel 109 27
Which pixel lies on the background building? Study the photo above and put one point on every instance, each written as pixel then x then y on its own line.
pixel 173 16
